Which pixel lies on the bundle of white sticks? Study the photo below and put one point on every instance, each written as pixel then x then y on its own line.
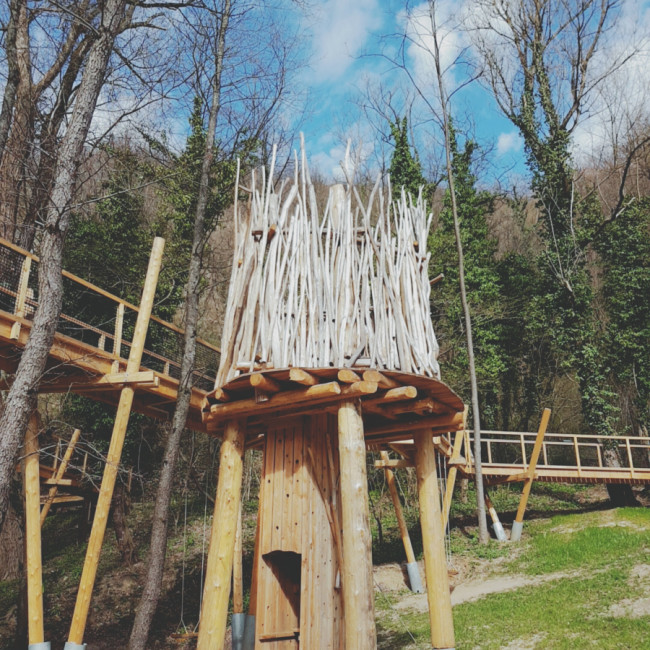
pixel 345 287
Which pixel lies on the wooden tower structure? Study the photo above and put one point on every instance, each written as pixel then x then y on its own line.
pixel 328 349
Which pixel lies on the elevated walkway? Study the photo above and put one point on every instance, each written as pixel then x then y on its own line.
pixel 92 343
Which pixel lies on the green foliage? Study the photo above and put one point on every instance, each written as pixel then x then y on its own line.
pixel 624 250
pixel 405 169
pixel 483 286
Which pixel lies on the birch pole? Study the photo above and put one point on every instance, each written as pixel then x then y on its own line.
pixel 476 415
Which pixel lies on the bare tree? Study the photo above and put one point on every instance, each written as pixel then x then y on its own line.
pixel 216 29
pixel 445 110
pixel 22 397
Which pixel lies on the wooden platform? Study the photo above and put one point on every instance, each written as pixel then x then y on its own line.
pixel 394 404
pixel 90 359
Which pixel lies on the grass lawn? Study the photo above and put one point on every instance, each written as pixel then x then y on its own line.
pixel 597 597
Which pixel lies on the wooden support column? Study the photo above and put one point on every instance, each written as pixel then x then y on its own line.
pixel 216 592
pixel 358 602
pixel 32 487
pixel 248 642
pixel 89 573
pixel 518 524
pixel 238 621
pixel 433 542
pixel 411 564
pixel 59 473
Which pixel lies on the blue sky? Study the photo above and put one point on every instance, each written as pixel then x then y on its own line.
pixel 346 41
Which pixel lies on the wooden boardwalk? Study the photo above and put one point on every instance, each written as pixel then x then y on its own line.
pixel 563 459
pixel 92 343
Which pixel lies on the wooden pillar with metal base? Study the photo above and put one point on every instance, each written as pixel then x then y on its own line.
pixel 415 582
pixel 358 601
pixel 435 562
pixel 216 592
pixel 89 573
pixel 238 621
pixel 32 487
pixel 518 524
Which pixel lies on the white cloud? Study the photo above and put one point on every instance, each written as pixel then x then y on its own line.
pixel 340 31
pixel 510 142
pixel 419 31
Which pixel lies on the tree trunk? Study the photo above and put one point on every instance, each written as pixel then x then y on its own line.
pixel 123 536
pixel 158 547
pixel 21 399
pixel 12 545
pixel 621 496
pixel 476 416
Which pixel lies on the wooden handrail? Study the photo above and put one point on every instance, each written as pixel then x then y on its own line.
pixel 105 294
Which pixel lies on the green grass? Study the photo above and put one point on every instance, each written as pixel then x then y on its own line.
pixel 597 551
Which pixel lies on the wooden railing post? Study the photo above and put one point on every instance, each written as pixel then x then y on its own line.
pixel 100 520
pixel 21 297
pixel 453 470
pixel 518 524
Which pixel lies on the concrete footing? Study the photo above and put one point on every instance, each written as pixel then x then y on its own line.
pixel 415 581
pixel 515 533
pixel 499 532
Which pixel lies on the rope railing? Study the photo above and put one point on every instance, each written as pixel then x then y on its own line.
pixel 100 319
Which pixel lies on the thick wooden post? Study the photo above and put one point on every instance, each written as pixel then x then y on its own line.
pixel 32 486
pixel 216 592
pixel 91 562
pixel 433 542
pixel 411 565
pixel 59 473
pixel 358 602
pixel 518 524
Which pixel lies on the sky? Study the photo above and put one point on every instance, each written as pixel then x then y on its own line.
pixel 354 46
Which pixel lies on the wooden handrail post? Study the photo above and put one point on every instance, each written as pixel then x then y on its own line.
pixel 518 524
pixel 21 296
pixel 216 591
pixel 358 595
pixel 453 471
pixel 59 473
pixel 100 520
pixel 32 486
pixel 433 543
pixel 415 581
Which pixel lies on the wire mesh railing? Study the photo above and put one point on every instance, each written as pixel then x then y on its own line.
pixel 99 319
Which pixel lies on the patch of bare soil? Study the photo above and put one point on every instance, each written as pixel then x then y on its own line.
pixel 634 607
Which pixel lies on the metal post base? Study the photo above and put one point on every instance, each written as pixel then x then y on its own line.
pixel 43 645
pixel 515 533
pixel 238 624
pixel 499 532
pixel 74 646
pixel 249 633
pixel 414 578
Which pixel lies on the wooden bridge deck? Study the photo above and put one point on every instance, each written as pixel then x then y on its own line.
pixel 91 346
pixel 563 458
